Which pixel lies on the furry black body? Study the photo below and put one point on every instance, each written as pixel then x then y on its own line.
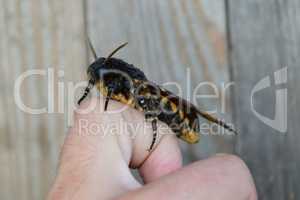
pixel 127 84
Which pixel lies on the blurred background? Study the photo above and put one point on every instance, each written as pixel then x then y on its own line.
pixel 220 41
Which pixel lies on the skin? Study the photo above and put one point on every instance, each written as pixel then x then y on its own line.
pixel 97 167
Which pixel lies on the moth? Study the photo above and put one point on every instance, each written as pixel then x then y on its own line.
pixel 123 82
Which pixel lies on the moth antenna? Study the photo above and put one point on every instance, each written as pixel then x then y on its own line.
pixel 115 51
pixel 92 48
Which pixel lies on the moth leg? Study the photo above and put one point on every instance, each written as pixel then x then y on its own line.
pixel 86 91
pixel 150 104
pixel 154 129
pixel 109 93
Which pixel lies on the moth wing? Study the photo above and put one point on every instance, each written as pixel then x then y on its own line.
pixel 192 111
pixel 185 116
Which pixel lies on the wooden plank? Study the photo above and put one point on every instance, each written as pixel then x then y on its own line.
pixel 167 38
pixel 35 35
pixel 265 38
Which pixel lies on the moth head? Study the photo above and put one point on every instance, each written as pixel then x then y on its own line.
pixel 96 68
pixel 95 71
pixel 99 67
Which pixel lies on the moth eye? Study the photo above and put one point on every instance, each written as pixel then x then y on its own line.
pixel 142 101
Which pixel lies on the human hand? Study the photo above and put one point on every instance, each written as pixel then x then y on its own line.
pixel 95 163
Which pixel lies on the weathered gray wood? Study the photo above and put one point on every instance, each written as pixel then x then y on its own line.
pixel 265 37
pixel 35 35
pixel 165 38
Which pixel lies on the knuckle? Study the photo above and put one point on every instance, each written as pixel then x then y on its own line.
pixel 235 167
pixel 234 164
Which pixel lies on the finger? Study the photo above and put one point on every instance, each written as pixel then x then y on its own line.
pixel 93 165
pixel 166 158
pixel 220 177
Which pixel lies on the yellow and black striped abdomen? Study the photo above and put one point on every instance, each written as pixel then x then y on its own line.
pixel 176 116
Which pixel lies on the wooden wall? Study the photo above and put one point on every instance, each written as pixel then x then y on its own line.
pixel 264 38
pixel 35 35
pixel 172 41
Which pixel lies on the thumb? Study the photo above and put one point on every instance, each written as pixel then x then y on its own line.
pixel 94 162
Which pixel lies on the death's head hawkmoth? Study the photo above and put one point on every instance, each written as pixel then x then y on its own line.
pixel 123 82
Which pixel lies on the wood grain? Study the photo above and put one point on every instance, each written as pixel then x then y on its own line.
pixel 265 38
pixel 35 35
pixel 167 39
